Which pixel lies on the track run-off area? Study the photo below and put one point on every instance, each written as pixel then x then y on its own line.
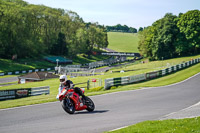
pixel 113 110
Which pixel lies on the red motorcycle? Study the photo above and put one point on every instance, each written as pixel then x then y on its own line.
pixel 72 102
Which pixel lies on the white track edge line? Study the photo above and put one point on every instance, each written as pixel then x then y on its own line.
pixel 145 88
pixel 106 93
pixel 118 128
pixel 177 82
pixel 165 116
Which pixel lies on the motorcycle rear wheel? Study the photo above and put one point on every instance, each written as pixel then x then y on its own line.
pixel 68 106
pixel 90 104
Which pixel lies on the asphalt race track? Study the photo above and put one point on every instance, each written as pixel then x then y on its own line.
pixel 112 110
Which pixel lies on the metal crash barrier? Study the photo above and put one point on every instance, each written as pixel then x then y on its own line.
pixel 148 76
pixel 25 92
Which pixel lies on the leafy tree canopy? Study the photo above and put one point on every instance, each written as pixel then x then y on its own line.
pixel 171 36
pixel 28 30
pixel 120 28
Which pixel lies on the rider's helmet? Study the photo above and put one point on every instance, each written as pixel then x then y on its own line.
pixel 63 79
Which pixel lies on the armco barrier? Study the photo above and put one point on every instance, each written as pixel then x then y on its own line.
pixel 25 71
pixel 40 90
pixel 147 76
pixel 123 80
pixel 137 78
pixel 152 75
pixel 20 93
pixel 13 94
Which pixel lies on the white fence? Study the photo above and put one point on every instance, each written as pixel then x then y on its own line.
pixel 24 92
pixel 106 62
pixel 24 71
pixel 40 90
pixel 146 76
pixel 92 65
pixel 96 82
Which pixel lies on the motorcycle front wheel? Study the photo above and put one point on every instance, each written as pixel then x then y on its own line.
pixel 89 103
pixel 68 106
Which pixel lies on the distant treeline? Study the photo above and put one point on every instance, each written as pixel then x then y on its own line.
pixel 28 30
pixel 122 28
pixel 171 36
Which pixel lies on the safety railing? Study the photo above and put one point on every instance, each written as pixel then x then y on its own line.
pixel 147 76
pixel 25 92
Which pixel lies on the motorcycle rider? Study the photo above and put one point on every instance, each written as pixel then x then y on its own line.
pixel 69 85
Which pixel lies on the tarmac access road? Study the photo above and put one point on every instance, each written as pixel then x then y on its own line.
pixel 9 79
pixel 104 69
pixel 110 50
pixel 112 111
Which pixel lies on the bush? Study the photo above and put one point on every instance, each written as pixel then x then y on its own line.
pixel 97 88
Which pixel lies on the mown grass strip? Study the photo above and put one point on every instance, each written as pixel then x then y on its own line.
pixel 123 42
pixel 187 125
pixel 54 83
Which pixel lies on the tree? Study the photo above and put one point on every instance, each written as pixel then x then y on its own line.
pixel 120 28
pixel 59 48
pixel 189 24
pixel 160 40
pixel 140 29
pixel 145 41
pixel 132 30
pixel 165 38
pixel 90 37
pixel 32 30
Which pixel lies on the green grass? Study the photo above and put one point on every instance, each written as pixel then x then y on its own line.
pixel 7 76
pixel 7 65
pixel 23 64
pixel 188 125
pixel 123 42
pixel 54 83
pixel 82 59
pixel 169 79
pixel 139 67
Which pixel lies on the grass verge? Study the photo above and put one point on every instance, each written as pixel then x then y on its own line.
pixel 188 125
pixel 54 83
pixel 23 64
pixel 123 42
pixel 7 65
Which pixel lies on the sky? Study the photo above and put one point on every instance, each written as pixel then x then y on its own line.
pixel 133 13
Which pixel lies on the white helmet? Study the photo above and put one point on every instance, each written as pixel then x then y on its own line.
pixel 63 79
